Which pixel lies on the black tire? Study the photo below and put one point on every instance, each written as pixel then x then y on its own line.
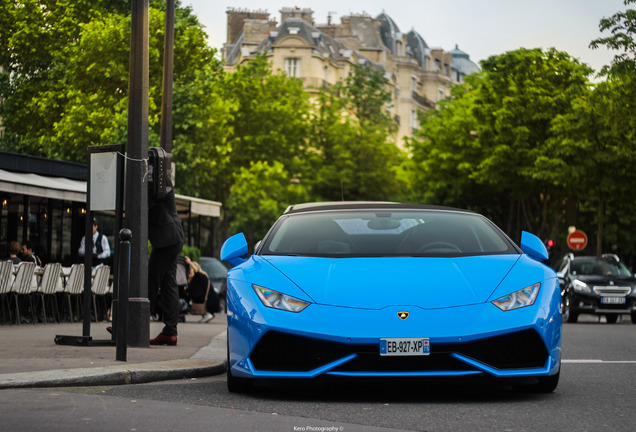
pixel 543 385
pixel 569 315
pixel 611 318
pixel 633 317
pixel 547 384
pixel 235 384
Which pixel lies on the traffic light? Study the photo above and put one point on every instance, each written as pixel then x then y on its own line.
pixel 158 173
pixel 549 244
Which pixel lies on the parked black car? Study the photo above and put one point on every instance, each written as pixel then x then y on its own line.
pixel 596 285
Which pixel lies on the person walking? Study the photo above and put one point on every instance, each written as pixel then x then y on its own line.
pixel 166 237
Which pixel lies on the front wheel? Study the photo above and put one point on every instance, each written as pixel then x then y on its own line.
pixel 569 315
pixel 545 384
pixel 235 384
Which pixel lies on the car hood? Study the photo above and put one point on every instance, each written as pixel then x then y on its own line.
pixel 374 283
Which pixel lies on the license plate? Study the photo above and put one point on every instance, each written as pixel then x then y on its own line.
pixel 405 346
pixel 613 300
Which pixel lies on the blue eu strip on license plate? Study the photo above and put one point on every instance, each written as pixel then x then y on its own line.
pixel 405 346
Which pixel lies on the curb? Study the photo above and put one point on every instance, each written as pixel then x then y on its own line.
pixel 208 361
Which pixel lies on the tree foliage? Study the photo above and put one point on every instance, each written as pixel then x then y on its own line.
pixel 622 38
pixel 494 137
pixel 353 154
pixel 268 121
pixel 520 141
pixel 259 195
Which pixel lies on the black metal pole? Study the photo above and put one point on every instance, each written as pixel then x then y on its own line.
pixel 88 259
pixel 136 175
pixel 124 281
pixel 119 211
pixel 165 138
pixel 88 273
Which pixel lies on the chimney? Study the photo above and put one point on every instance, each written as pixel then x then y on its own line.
pixel 295 12
pixel 236 17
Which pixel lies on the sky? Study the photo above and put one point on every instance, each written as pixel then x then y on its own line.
pixel 481 28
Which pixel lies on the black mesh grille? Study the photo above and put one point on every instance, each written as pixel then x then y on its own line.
pixel 283 352
pixel 518 350
pixel 278 351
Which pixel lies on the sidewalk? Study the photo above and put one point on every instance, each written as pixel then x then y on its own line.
pixel 29 357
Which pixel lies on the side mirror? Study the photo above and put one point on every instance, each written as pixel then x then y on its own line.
pixel 234 250
pixel 533 246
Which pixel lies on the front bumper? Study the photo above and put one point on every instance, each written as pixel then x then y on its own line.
pixel 468 341
pixel 517 354
pixel 592 304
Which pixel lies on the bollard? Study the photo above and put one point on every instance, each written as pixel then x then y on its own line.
pixel 125 235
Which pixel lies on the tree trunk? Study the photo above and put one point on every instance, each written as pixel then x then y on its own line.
pixel 599 227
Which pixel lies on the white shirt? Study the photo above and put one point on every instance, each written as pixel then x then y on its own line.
pixel 105 246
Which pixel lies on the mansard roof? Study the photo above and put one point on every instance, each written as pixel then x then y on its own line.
pixel 321 42
pixel 463 63
pixel 417 48
pixel 389 32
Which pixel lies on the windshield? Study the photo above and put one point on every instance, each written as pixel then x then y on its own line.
pixel 599 267
pixel 374 233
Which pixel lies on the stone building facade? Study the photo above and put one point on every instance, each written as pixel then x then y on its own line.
pixel 322 54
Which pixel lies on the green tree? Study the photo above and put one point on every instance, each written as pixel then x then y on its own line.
pixel 445 152
pixel 352 155
pixel 498 139
pixel 259 195
pixel 622 28
pixel 77 96
pixel 598 138
pixel 269 119
pixel 522 92
pixel 34 35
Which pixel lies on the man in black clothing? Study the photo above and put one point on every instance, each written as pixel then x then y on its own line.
pixel 166 237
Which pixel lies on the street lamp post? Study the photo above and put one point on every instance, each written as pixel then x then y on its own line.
pixel 136 171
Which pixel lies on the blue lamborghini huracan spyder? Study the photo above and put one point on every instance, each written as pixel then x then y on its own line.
pixel 373 290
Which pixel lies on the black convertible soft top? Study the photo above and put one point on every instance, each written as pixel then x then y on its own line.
pixel 364 205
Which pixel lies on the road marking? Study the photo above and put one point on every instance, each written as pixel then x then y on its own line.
pixel 590 361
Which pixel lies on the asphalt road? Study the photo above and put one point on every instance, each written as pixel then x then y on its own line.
pixel 596 393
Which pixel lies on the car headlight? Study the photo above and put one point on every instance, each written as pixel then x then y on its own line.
pixel 275 300
pixel 518 299
pixel 581 286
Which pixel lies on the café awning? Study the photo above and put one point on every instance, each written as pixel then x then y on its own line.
pixel 75 190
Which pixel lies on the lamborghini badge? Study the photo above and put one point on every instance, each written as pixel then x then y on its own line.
pixel 403 315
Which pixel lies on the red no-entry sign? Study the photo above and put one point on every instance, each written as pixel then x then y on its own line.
pixel 577 240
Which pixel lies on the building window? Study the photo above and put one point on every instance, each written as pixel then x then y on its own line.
pixel 442 94
pixel 292 67
pixel 413 84
pixel 415 122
